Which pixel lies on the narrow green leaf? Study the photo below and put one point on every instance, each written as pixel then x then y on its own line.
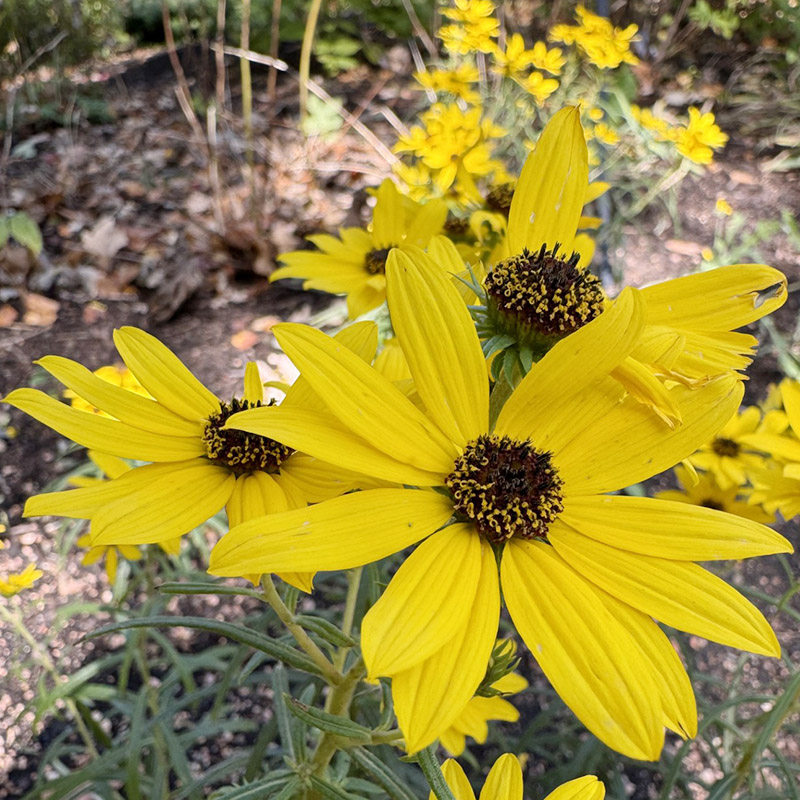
pixel 330 723
pixel 26 232
pixel 134 758
pixel 330 791
pixel 327 630
pixel 238 633
pixel 381 774
pixel 199 587
pixel 280 689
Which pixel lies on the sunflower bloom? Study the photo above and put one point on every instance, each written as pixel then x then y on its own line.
pixel 504 782
pixel 197 466
pixel 354 264
pixel 583 573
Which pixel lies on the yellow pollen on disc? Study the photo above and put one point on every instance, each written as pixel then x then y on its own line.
pixel 375 260
pixel 507 487
pixel 239 451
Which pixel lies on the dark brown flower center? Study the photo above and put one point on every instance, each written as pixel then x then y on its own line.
pixel 456 226
pixel 500 197
pixel 507 487
pixel 375 261
pixel 710 502
pixel 725 447
pixel 541 298
pixel 239 451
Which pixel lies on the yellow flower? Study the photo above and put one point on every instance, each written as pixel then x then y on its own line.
pixel 514 60
pixel 583 572
pixel 18 582
pixel 540 87
pixel 473 720
pixel 475 27
pixel 727 456
pixel 604 133
pixel 698 140
pixel 707 253
pixel 198 466
pixel 354 264
pixel 456 81
pixel 116 375
pixel 551 60
pixel 504 782
pixel 603 45
pixel 708 493
pixel 469 12
pixel 723 207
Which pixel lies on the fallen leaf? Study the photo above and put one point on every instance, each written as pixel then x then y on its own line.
pixel 683 248
pixel 264 324
pixel 740 176
pixel 40 311
pixel 245 340
pixel 105 239
pixel 7 315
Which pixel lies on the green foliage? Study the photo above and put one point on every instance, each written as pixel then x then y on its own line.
pixel 723 21
pixel 22 229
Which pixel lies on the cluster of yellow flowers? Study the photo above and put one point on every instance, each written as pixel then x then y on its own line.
pixel 494 432
pixel 601 43
pixel 696 140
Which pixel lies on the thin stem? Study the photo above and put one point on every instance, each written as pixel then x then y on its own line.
pixel 433 773
pixel 353 585
pixel 305 55
pixel 44 660
pixel 387 737
pixel 271 596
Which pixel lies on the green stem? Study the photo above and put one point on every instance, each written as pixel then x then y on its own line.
pixel 44 660
pixel 433 773
pixel 387 737
pixel 353 585
pixel 271 596
pixel 305 55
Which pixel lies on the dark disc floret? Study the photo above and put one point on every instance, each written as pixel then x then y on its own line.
pixel 507 487
pixel 542 296
pixel 239 451
pixel 375 261
pixel 725 447
pixel 499 198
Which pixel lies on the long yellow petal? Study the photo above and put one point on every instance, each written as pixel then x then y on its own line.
pixel 456 780
pixel 126 406
pixel 504 781
pixel 668 529
pixel 629 443
pixel 364 400
pixel 345 532
pixel 425 604
pixel 721 299
pixel 586 788
pixel 315 480
pixel 103 434
pixel 587 655
pixel 84 503
pixel 361 338
pixel 164 375
pixel 388 217
pixel 429 697
pixel 439 341
pixel 678 593
pixel 552 187
pixel 253 385
pixel 644 386
pixel 543 406
pixel 169 507
pixel 323 436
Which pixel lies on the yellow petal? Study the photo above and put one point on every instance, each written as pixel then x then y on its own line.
pixel 644 386
pixel 175 504
pixel 721 299
pixel 669 529
pixel 110 466
pixel 315 480
pixel 364 400
pixel 454 742
pixel 439 341
pixel 586 788
pixel 511 683
pixel 456 780
pixel 112 561
pixel 552 186
pixel 164 375
pixel 678 593
pixel 543 406
pixel 388 217
pixel 103 434
pixel 253 496
pixel 361 338
pixel 253 387
pixel 586 654
pixel 425 604
pixel 345 532
pixel 629 443
pixel 790 394
pixel 323 436
pixel 126 406
pixel 504 781
pixel 677 696
pixel 84 503
pixel 429 697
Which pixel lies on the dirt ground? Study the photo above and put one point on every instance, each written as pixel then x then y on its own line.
pixel 132 237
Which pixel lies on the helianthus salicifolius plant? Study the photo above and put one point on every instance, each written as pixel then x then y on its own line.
pixel 355 264
pixel 583 572
pixel 542 291
pixel 504 782
pixel 198 466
